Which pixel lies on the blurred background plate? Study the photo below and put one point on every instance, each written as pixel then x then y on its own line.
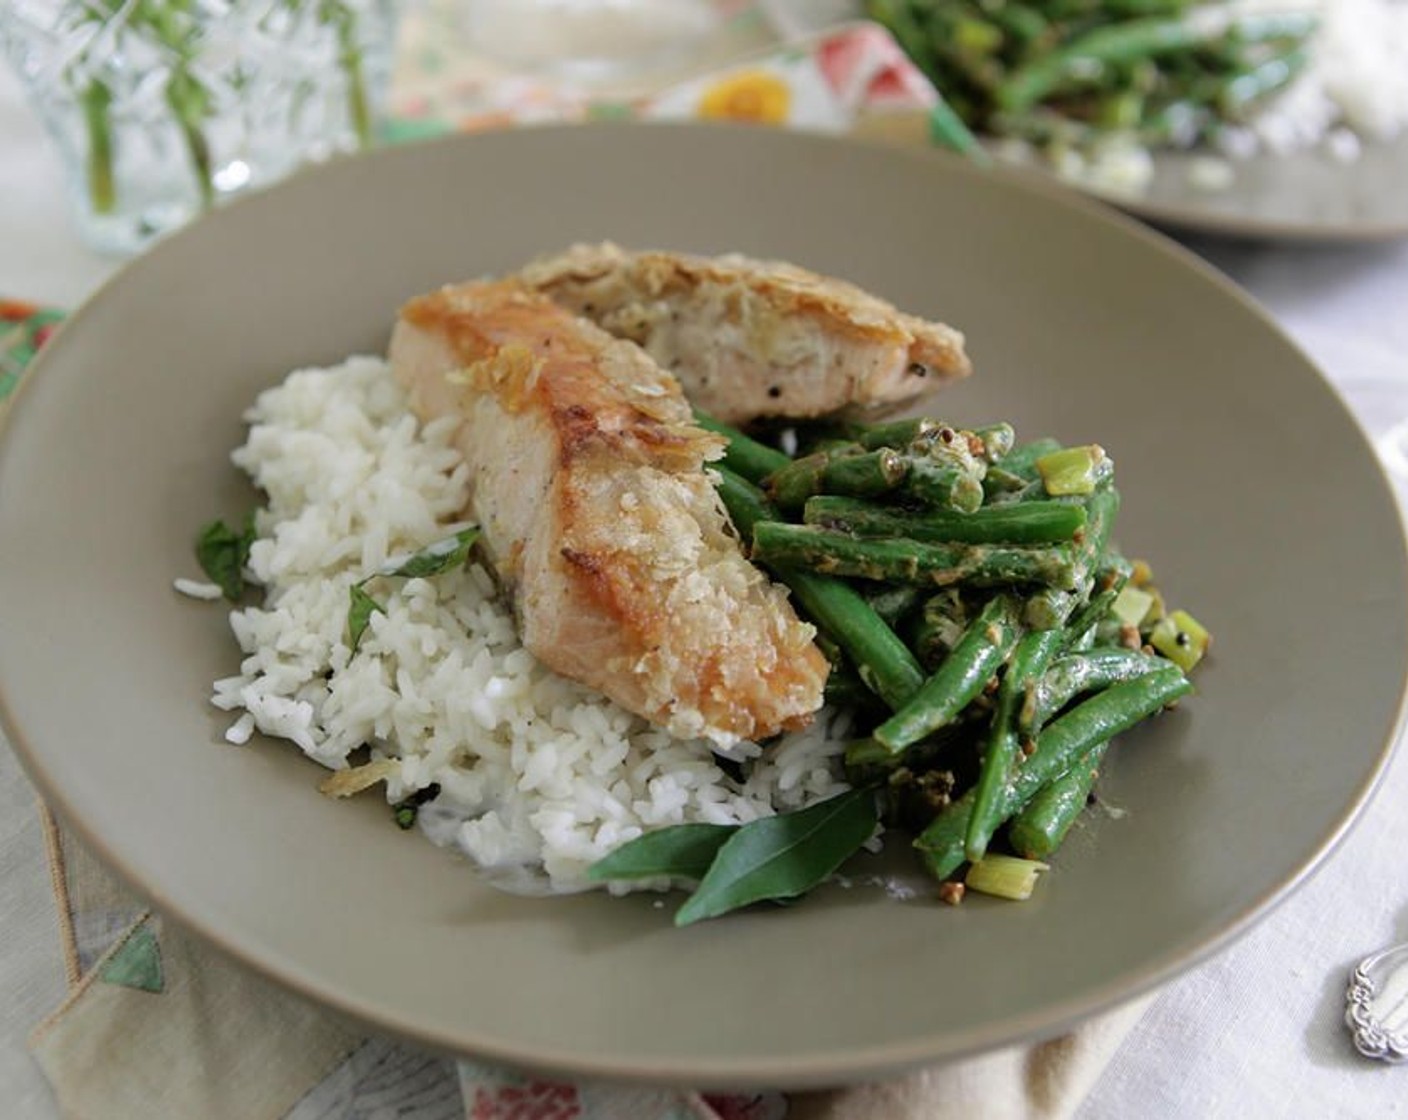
pixel 1302 196
pixel 1244 478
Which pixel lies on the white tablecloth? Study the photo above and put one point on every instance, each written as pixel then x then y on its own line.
pixel 1256 1032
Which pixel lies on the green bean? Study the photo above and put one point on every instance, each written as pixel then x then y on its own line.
pixel 943 485
pixel 798 479
pixel 941 623
pixel 1029 659
pixel 1146 7
pixel 977 656
pixel 845 689
pixel 1039 829
pixel 894 603
pixel 1100 509
pixel 899 434
pixel 1087 56
pixel 1021 460
pixel 744 456
pixel 1023 23
pixel 1102 717
pixel 1049 609
pixel 1083 630
pixel 882 660
pixel 1000 484
pixel 1243 90
pixel 746 504
pixel 864 476
pixel 1026 523
pixel 909 561
pixel 1179 122
pixel 1112 570
pixel 1075 673
pixel 997 440
pixel 1097 571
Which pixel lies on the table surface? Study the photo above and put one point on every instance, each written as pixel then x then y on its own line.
pixel 1257 1030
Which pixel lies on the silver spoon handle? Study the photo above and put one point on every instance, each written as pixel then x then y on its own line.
pixel 1376 1005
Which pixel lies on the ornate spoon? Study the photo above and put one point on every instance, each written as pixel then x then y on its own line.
pixel 1376 1008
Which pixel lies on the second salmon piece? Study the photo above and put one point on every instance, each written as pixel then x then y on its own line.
pixel 751 339
pixel 589 483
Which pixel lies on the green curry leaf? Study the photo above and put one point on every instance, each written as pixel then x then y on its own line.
pixel 682 851
pixel 783 856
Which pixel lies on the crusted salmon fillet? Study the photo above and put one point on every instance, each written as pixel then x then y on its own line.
pixel 590 486
pixel 752 339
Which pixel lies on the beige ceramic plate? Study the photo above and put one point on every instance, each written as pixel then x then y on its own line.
pixel 1306 196
pixel 1243 477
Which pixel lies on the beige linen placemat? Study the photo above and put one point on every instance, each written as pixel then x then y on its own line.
pixel 158 1024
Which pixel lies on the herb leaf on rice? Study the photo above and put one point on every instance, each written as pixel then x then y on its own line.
pixel 361 607
pixel 434 559
pixel 223 553
pixel 441 556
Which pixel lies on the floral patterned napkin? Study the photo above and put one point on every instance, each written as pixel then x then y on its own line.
pixel 24 327
pixel 827 81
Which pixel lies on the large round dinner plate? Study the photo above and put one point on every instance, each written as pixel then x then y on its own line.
pixel 1244 480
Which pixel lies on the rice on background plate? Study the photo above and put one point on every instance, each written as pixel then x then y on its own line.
pixel 539 776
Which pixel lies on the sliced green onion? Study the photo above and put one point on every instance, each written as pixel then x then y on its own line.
pixel 1072 470
pixel 1131 605
pixel 1181 638
pixel 1005 876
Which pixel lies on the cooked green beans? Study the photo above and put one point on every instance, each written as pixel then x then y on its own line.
pixel 1066 73
pixel 971 626
pixel 977 656
pixel 1023 523
pixel 1037 831
pixel 882 660
pixel 912 561
pixel 858 473
pixel 745 456
pixel 1076 673
pixel 1033 653
pixel 1060 745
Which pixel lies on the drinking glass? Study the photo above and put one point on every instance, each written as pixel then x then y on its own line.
pixel 162 108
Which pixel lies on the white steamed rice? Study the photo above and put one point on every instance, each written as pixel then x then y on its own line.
pixel 539 776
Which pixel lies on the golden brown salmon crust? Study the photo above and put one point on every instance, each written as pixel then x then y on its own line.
pixel 590 484
pixel 752 339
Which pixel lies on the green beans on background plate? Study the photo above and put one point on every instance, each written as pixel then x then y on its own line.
pixel 990 650
pixel 1061 72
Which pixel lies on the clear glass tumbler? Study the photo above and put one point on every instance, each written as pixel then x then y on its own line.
pixel 162 108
